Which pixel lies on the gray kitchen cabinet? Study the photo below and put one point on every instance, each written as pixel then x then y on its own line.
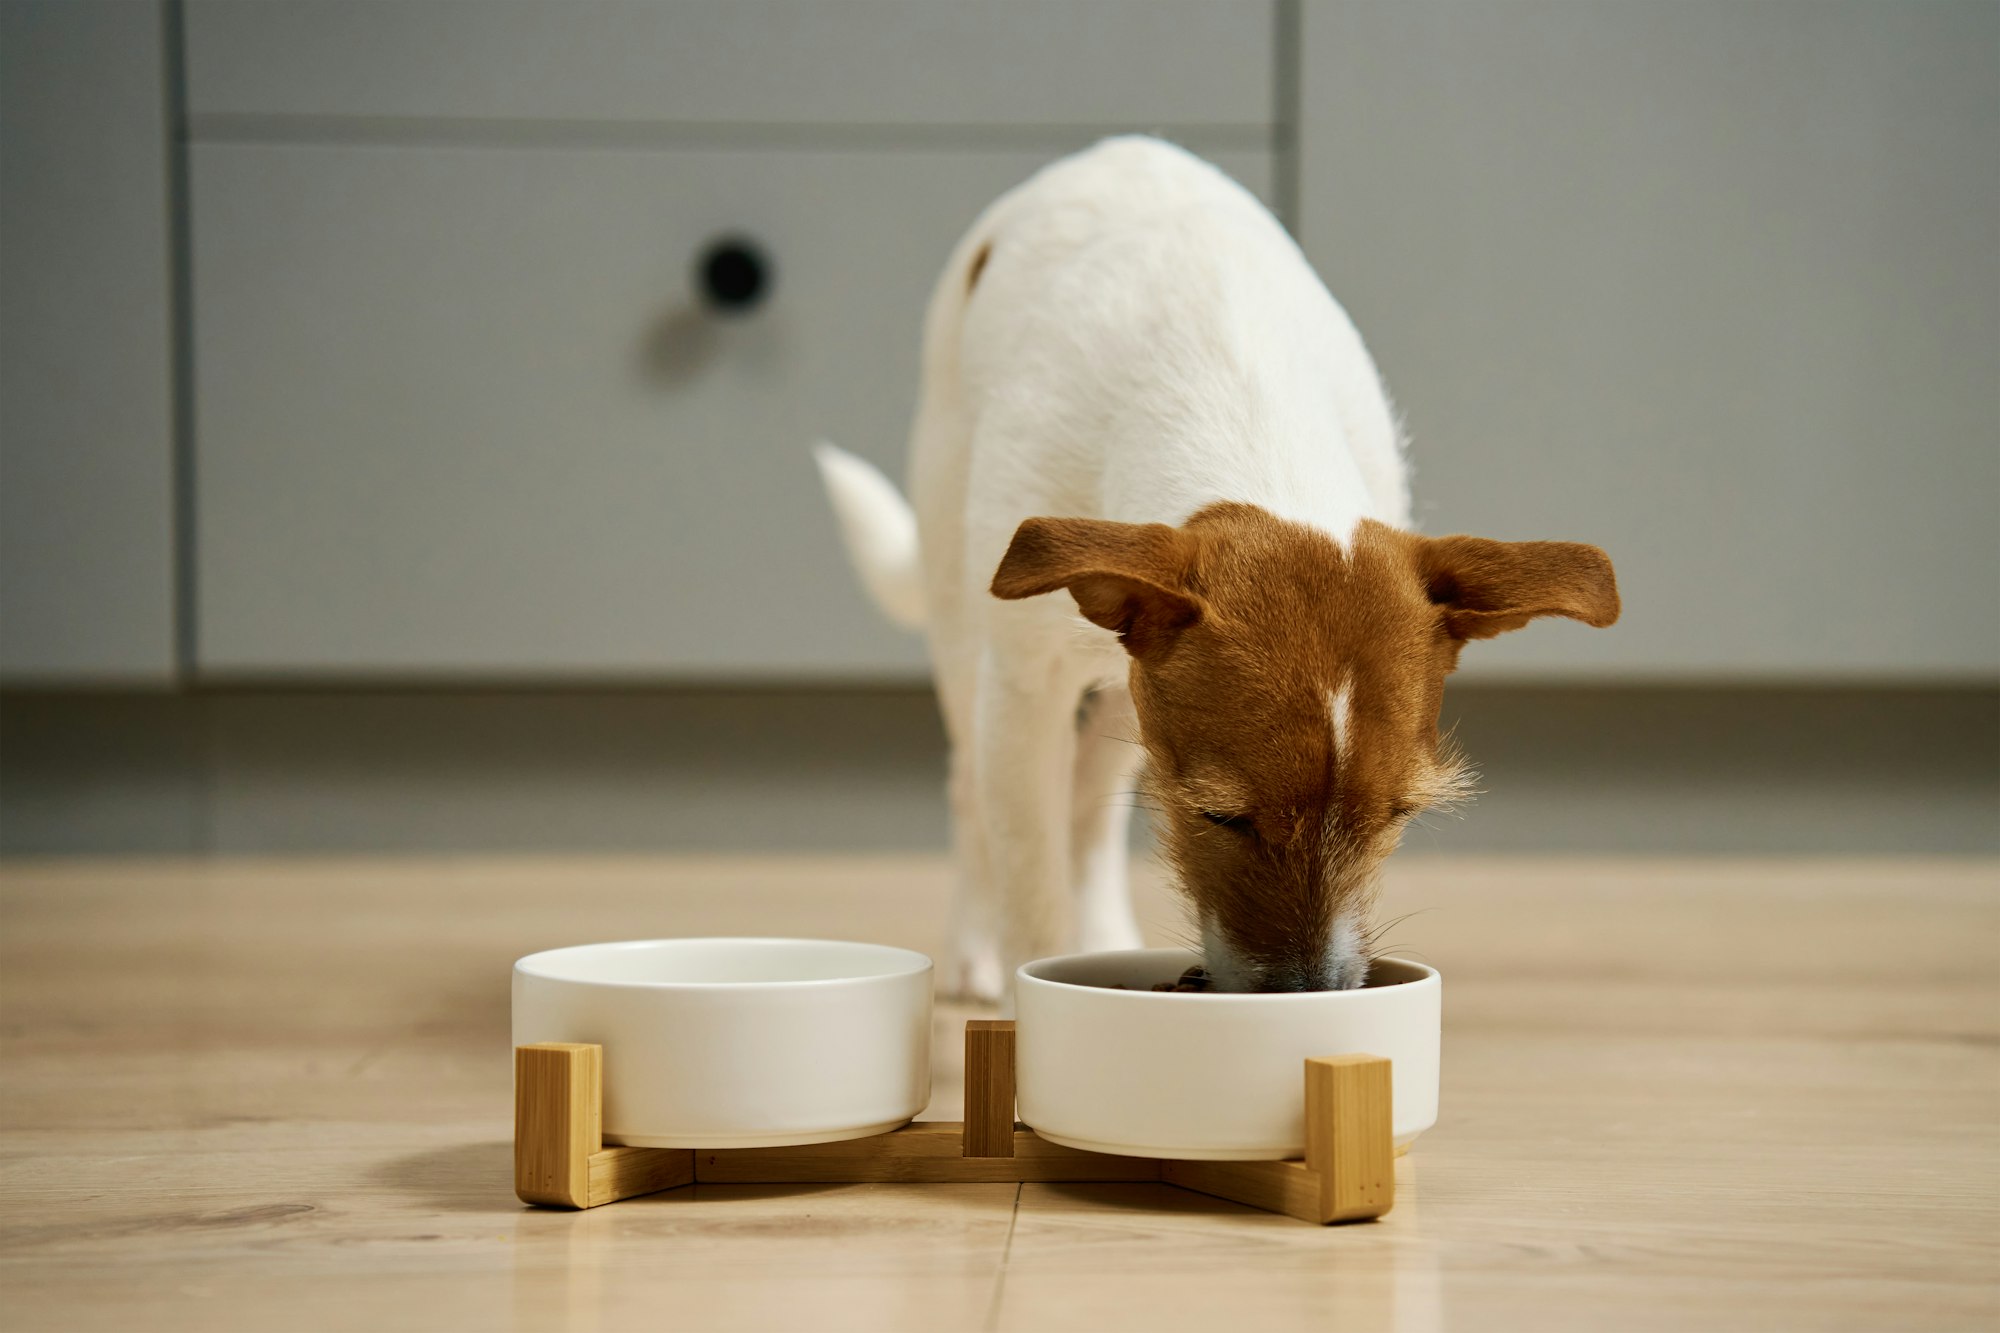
pixel 1713 283
pixel 461 415
pixel 87 568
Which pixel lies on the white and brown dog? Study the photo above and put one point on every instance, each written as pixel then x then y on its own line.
pixel 1137 392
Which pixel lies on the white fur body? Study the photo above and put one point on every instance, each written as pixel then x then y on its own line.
pixel 1143 339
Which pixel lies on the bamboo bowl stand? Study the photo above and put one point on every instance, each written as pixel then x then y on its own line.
pixel 561 1160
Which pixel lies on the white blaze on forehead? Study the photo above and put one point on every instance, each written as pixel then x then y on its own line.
pixel 1338 707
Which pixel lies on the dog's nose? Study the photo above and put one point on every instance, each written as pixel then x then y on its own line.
pixel 1291 977
pixel 1314 974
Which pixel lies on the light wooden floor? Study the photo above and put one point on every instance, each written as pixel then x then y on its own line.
pixel 1686 1095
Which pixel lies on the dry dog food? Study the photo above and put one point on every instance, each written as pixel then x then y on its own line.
pixel 1190 982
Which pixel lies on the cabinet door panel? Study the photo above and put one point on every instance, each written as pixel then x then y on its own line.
pixel 459 413
pixel 1714 284
pixel 86 362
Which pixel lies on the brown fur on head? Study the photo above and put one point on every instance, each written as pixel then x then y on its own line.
pixel 1288 693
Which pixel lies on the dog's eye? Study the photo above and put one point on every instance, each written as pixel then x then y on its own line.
pixel 1235 823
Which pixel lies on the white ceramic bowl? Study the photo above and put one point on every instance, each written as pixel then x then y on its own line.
pixel 1206 1077
pixel 739 1043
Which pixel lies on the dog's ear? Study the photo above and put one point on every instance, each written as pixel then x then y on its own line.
pixel 1128 577
pixel 1487 587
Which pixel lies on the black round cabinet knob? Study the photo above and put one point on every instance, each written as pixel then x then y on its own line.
pixel 735 274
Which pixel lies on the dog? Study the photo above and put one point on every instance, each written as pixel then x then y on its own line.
pixel 1141 406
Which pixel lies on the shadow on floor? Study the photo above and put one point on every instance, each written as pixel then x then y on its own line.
pixel 462 1178
pixel 479 1178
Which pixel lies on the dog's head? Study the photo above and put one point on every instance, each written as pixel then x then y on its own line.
pixel 1288 690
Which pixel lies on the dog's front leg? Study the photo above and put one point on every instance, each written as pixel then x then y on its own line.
pixel 974 971
pixel 1108 758
pixel 1026 728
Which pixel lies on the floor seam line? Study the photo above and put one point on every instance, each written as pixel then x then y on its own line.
pixel 1000 1275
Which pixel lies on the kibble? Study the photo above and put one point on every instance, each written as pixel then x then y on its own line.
pixel 1191 982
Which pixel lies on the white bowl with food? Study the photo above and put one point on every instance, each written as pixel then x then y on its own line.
pixel 739 1043
pixel 1106 1063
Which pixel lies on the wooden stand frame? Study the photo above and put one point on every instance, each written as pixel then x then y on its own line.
pixel 561 1161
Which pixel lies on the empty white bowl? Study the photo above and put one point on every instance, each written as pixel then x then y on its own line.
pixel 1218 1077
pixel 739 1043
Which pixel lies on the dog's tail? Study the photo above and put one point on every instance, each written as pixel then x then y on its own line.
pixel 880 531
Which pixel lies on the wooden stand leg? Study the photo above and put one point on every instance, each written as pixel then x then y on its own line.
pixel 560 1160
pixel 1350 1135
pixel 1350 1168
pixel 989 1087
pixel 558 1122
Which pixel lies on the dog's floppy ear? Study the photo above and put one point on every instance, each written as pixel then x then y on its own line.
pixel 1488 587
pixel 1128 577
